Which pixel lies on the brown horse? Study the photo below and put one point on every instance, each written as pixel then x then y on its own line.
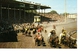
pixel 38 39
pixel 68 41
pixel 53 38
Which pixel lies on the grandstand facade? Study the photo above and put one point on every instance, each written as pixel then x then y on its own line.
pixel 15 11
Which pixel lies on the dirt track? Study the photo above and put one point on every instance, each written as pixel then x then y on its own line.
pixel 28 42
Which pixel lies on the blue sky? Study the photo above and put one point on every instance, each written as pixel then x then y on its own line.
pixel 59 5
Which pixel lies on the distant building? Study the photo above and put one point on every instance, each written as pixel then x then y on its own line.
pixel 74 15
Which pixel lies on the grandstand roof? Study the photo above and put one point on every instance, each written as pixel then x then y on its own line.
pixel 28 5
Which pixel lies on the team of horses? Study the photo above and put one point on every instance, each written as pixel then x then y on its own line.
pixel 65 40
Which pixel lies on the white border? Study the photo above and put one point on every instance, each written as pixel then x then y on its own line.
pixel 48 51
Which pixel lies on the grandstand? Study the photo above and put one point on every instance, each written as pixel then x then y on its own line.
pixel 15 11
pixel 53 17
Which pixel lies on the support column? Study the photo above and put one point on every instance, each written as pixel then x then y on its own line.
pixel 14 15
pixel 32 16
pixel 1 12
pixel 39 11
pixel 29 11
pixel 24 15
pixel 19 15
pixel 41 14
pixel 44 12
pixel 8 12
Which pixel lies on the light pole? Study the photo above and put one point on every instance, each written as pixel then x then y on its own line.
pixel 65 11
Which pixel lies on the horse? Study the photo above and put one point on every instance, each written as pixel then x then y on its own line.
pixel 69 41
pixel 72 42
pixel 39 39
pixel 53 39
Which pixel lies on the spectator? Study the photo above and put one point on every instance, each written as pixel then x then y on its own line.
pixel 54 27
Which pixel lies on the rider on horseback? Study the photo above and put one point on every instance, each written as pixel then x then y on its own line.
pixel 62 36
pixel 52 38
pixel 39 38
